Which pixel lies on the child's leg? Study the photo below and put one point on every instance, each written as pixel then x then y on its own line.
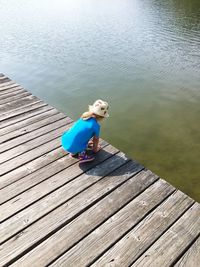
pixel 96 146
pixel 91 146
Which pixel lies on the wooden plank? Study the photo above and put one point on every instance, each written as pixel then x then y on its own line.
pixel 50 202
pixel 30 155
pixel 49 134
pixel 32 139
pixel 13 121
pixel 35 178
pixel 122 189
pixel 67 191
pixel 42 114
pixel 2 86
pixel 14 98
pixel 138 240
pixel 56 130
pixel 2 76
pixel 170 245
pixel 21 110
pixel 7 96
pixel 32 131
pixel 45 187
pixel 31 167
pixel 18 103
pixel 4 80
pixel 11 89
pixel 192 256
pixel 115 227
pixel 65 212
pixel 118 161
pixel 7 83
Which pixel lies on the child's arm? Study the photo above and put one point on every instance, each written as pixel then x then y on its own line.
pixel 96 147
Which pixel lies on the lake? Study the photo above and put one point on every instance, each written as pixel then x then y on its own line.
pixel 142 56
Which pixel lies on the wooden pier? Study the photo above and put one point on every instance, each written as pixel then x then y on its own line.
pixel 57 212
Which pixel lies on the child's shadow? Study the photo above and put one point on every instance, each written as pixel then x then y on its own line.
pixel 107 163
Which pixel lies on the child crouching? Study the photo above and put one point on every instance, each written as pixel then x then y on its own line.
pixel 78 138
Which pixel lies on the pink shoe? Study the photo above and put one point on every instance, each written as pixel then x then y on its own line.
pixel 83 157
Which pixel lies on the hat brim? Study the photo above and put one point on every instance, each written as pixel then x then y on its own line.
pixel 91 109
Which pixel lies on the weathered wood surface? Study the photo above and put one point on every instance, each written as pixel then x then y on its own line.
pixel 29 132
pixel 191 257
pixel 21 110
pixel 24 101
pixel 11 91
pixel 31 167
pixel 109 212
pixel 33 124
pixel 31 112
pixel 50 132
pixel 6 84
pixel 29 155
pixel 135 243
pixel 172 243
pixel 12 97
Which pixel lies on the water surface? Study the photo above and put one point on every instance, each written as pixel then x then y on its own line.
pixel 143 56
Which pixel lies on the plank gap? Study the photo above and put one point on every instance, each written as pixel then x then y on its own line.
pixel 185 250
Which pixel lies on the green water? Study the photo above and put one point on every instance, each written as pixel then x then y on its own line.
pixel 143 56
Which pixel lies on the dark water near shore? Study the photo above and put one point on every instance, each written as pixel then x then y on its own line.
pixel 143 56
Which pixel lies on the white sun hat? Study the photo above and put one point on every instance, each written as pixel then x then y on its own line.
pixel 100 108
